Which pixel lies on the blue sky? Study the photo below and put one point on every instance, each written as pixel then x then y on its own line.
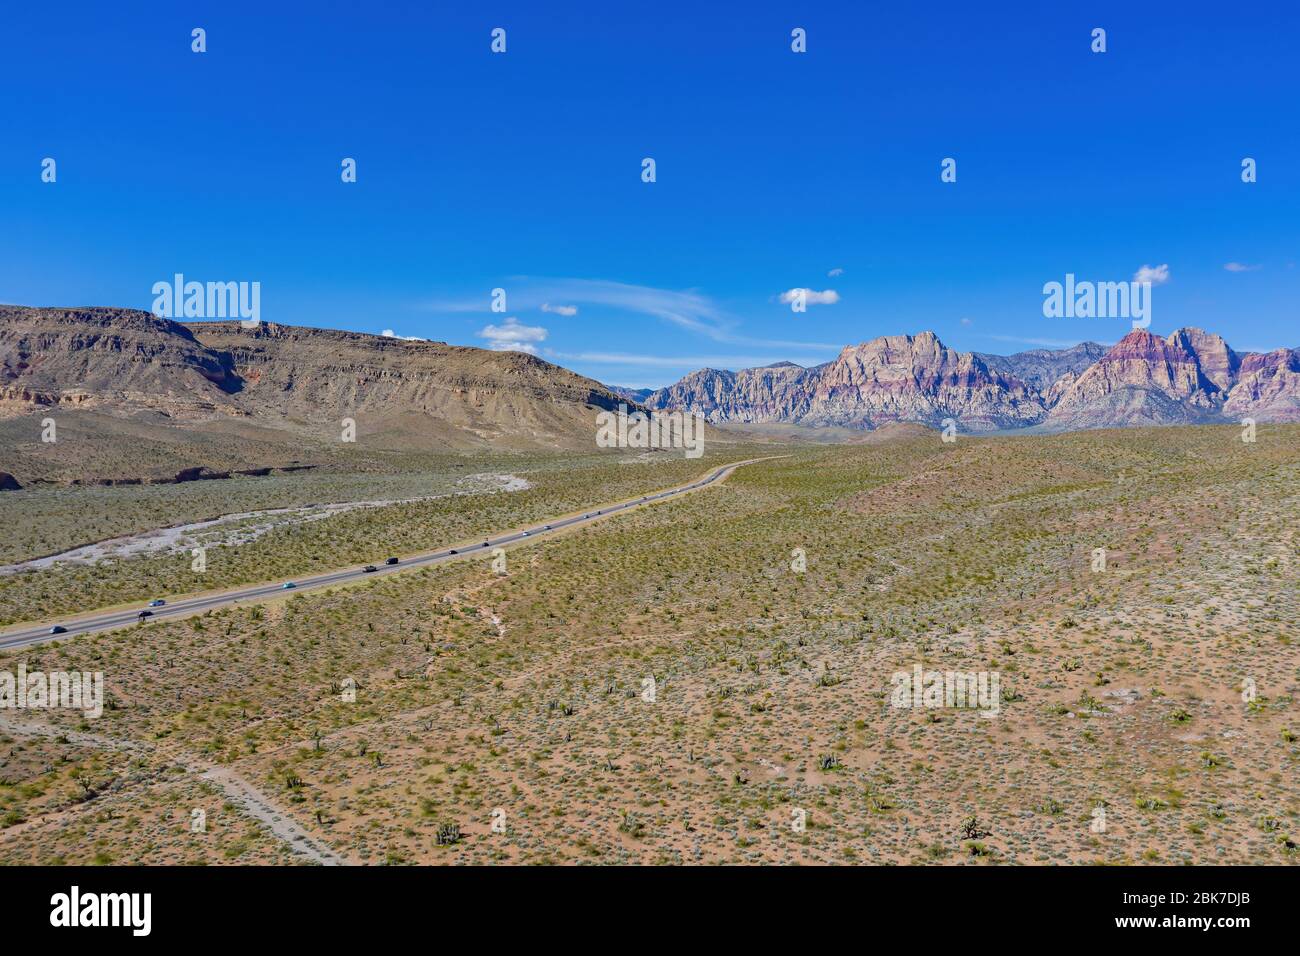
pixel 523 170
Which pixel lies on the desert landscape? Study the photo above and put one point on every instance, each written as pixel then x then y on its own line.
pixel 710 678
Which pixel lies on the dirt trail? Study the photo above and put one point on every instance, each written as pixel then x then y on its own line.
pixel 255 803
pixel 281 824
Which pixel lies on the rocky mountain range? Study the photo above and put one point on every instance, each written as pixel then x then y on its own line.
pixel 1190 376
pixel 231 397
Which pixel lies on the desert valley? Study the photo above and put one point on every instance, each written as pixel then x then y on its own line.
pixel 1106 535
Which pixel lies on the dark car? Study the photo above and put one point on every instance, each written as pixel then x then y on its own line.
pixel 391 561
pixel 58 629
pixel 547 528
pixel 452 551
pixel 143 614
pixel 369 569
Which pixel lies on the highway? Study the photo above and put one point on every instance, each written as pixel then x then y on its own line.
pixel 28 635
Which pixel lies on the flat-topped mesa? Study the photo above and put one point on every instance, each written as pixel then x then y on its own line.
pixel 124 361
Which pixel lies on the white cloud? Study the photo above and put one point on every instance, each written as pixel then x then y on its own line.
pixel 688 362
pixel 965 321
pixel 837 271
pixel 1156 275
pixel 812 296
pixel 560 309
pixel 1240 267
pixel 689 309
pixel 390 334
pixel 513 336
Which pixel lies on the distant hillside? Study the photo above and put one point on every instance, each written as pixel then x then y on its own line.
pixel 637 395
pixel 1042 368
pixel 124 366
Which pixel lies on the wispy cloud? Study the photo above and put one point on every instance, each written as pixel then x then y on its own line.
pixel 687 309
pixel 811 296
pixel 560 309
pixel 1240 267
pixel 390 334
pixel 1156 275
pixel 665 361
pixel 836 272
pixel 512 335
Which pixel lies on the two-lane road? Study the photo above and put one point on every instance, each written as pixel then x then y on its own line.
pixel 28 635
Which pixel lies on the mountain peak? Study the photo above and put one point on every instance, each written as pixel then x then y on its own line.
pixel 1141 379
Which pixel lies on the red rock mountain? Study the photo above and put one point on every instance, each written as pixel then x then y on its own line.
pixel 122 362
pixel 1267 387
pixel 1190 376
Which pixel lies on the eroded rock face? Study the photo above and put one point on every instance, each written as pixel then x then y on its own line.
pixel 108 357
pixel 1143 379
pixel 1043 369
pixel 1190 376
pixel 890 379
pixel 124 361
pixel 1217 362
pixel 919 379
pixel 1267 388
pixel 775 393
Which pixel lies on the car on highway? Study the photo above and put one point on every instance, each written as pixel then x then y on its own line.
pixel 526 533
pixel 369 569
pixel 143 614
pixel 547 528
pixel 287 585
pixel 391 561
pixel 58 629
pixel 157 602
pixel 452 551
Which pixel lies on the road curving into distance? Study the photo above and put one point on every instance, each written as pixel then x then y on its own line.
pixel 29 635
